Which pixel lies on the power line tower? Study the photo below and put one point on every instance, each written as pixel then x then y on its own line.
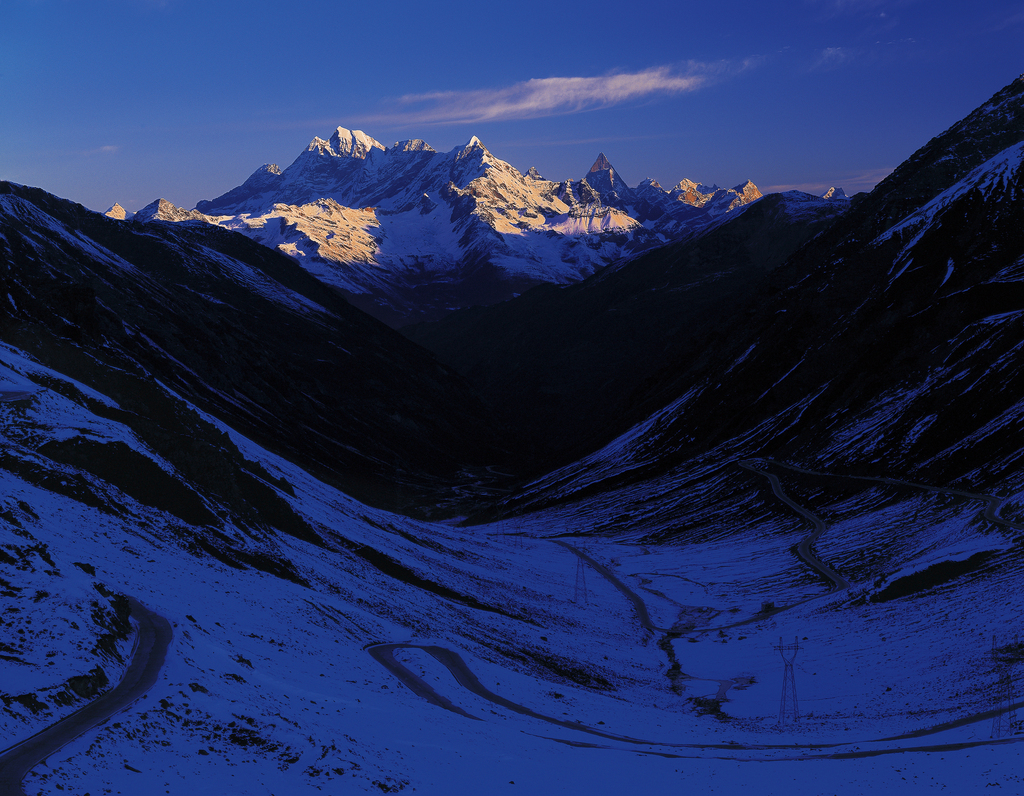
pixel 788 704
pixel 1005 720
pixel 580 597
pixel 517 535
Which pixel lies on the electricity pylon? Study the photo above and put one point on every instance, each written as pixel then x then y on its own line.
pixel 580 596
pixel 1005 721
pixel 788 704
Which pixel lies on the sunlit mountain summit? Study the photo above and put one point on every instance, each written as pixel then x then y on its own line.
pixel 409 233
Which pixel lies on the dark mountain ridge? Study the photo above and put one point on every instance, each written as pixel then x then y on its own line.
pixel 244 333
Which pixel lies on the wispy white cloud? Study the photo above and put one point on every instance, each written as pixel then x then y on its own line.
pixel 554 96
pixel 1010 21
pixel 832 57
pixel 103 150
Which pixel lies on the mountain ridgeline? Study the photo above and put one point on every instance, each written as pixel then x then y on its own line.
pixel 740 418
pixel 889 343
pixel 408 233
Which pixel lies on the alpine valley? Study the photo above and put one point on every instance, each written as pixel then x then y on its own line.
pixel 639 463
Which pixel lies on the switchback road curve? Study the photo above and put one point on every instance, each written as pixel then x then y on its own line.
pixel 153 637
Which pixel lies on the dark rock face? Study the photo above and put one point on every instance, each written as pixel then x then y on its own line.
pixel 86 686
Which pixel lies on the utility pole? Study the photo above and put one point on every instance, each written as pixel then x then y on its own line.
pixel 788 704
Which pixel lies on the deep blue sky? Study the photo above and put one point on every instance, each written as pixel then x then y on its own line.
pixel 131 100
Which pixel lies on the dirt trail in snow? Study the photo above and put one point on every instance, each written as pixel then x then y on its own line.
pixel 670 634
pixel 153 637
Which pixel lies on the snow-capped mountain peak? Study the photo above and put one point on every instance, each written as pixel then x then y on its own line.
pixel 162 210
pixel 118 212
pixel 358 215
pixel 411 145
pixel 352 143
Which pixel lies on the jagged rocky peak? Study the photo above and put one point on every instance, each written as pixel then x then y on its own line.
pixel 352 143
pixel 117 212
pixel 533 174
pixel 601 164
pixel 606 181
pixel 162 210
pixel 748 191
pixel 834 193
pixel 685 185
pixel 264 176
pixel 412 145
pixel 319 145
pixel 475 143
pixel 586 194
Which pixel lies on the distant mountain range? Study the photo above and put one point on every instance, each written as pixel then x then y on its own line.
pixel 407 233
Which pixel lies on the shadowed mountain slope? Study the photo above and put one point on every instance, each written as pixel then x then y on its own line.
pixel 563 364
pixel 888 344
pixel 244 333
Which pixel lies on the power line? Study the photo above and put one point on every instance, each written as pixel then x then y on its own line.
pixel 580 597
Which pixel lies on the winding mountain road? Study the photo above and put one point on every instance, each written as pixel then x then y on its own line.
pixel 464 676
pixel 804 546
pixel 993 503
pixel 384 654
pixel 153 637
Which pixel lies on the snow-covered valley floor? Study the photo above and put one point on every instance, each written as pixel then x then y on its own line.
pixel 268 687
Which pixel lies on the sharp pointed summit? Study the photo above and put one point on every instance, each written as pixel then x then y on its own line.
pixel 604 179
